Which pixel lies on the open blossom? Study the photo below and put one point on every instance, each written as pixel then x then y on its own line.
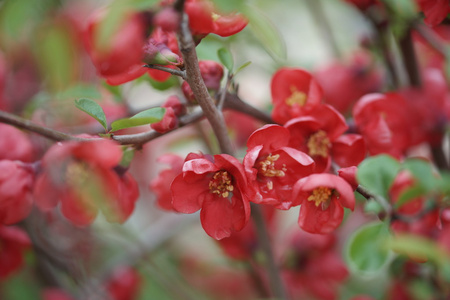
pixel 16 183
pixel 294 91
pixel 81 176
pixel 14 242
pixel 320 135
pixel 219 188
pixel 435 11
pixel 273 166
pixel 322 198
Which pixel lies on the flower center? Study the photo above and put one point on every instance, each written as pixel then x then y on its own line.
pixel 215 16
pixel 77 173
pixel 267 169
pixel 220 184
pixel 321 195
pixel 296 97
pixel 318 144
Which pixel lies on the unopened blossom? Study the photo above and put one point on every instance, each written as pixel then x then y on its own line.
pixel 14 144
pixel 14 242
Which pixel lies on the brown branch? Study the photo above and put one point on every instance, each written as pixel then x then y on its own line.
pixel 180 73
pixel 409 59
pixel 195 80
pixel 233 102
pixel 49 133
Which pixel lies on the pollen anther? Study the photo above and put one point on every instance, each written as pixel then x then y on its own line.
pixel 267 167
pixel 319 144
pixel 296 97
pixel 321 195
pixel 221 184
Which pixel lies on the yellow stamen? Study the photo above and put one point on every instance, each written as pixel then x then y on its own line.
pixel 296 97
pixel 215 16
pixel 221 184
pixel 319 144
pixel 321 195
pixel 267 167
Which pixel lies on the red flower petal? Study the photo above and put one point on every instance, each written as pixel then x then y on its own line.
pixel 187 197
pixel 348 150
pixel 315 220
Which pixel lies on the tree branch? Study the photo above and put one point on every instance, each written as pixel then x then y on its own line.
pixel 409 59
pixel 195 80
pixel 180 73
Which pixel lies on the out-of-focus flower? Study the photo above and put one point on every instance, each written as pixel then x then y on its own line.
pixel 174 109
pixel 273 166
pixel 435 11
pixel 312 268
pixel 13 243
pixel 81 176
pixel 16 183
pixel 14 144
pixel 345 82
pixel 322 198
pixel 161 184
pixel 55 294
pixel 212 73
pixel 124 283
pixel 219 188
pixel 294 91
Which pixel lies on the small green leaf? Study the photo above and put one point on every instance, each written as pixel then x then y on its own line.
pixel 145 117
pixel 377 173
pixel 243 66
pixel 366 250
pixel 93 109
pixel 422 172
pixel 127 156
pixel 226 59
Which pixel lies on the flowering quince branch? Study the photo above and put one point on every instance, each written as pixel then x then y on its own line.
pixel 194 78
pixel 179 73
pixel 409 58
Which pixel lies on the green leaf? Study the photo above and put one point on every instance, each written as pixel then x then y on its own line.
pixel 226 59
pixel 366 251
pixel 266 32
pixel 422 172
pixel 244 65
pixel 377 173
pixel 409 194
pixel 127 156
pixel 93 109
pixel 145 117
pixel 417 246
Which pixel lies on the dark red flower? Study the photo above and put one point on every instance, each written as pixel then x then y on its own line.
pixel 16 183
pixel 161 184
pixel 273 166
pixel 212 73
pixel 14 144
pixel 204 19
pixel 384 121
pixel 362 4
pixel 13 243
pixel 294 91
pixel 168 122
pixel 81 176
pixel 312 268
pixel 219 188
pixel 402 182
pixel 322 198
pixel 349 175
pixel 435 11
pixel 319 134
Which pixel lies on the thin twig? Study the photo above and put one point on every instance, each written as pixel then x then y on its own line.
pixel 52 134
pixel 409 59
pixel 233 102
pixel 276 283
pixel 180 73
pixel 195 80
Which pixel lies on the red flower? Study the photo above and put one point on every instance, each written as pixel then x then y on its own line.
pixel 204 19
pixel 161 184
pixel 219 188
pixel 319 134
pixel 349 175
pixel 273 166
pixel 13 243
pixel 362 4
pixel 322 198
pixel 294 91
pixel 312 268
pixel 435 11
pixel 384 121
pixel 14 144
pixel 403 181
pixel 124 283
pixel 212 73
pixel 16 183
pixel 120 57
pixel 81 176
